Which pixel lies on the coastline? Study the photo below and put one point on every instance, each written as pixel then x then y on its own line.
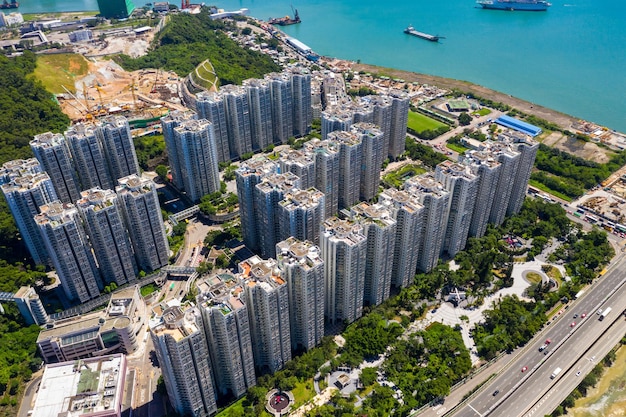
pixel 561 119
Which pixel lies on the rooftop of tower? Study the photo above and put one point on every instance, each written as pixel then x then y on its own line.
pixel 25 182
pixel 375 213
pixel 364 128
pixel 480 158
pixel 293 251
pixel 192 125
pixel 255 270
pixel 321 146
pixel 296 198
pixel 55 213
pixel 425 184
pixel 399 198
pixel 47 140
pixel 279 182
pixel 297 157
pixel 455 169
pixel 346 230
pixel 260 165
pixel 134 184
pixel 178 116
pixel 96 198
pixel 81 131
pixel 178 322
pixel 345 138
pixel 220 291
pixel 18 168
pixel 513 136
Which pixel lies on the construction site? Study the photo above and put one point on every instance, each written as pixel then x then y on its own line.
pixel 142 96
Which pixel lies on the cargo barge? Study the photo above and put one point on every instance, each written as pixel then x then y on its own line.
pixel 522 5
pixel 433 38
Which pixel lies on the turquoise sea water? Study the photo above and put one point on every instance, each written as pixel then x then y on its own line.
pixel 571 58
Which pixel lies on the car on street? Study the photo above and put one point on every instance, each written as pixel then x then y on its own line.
pixel 525 368
pixel 496 392
pixel 582 316
pixel 578 373
pixel 576 315
pixel 545 345
pixel 573 324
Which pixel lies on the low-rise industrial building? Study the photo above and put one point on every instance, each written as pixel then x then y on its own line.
pixel 112 330
pixel 86 388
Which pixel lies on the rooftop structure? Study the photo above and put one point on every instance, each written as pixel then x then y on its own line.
pixel 111 330
pixel 91 387
pixel 516 124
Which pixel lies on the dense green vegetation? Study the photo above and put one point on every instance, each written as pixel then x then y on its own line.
pixel 26 108
pixel 397 178
pixel 426 154
pixel 17 357
pixel 428 363
pixel 189 39
pixel 511 323
pixel 150 151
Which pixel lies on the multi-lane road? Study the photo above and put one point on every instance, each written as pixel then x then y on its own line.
pixel 514 392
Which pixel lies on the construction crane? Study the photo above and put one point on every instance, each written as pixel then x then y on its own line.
pixel 132 91
pixel 89 113
pixel 103 109
pixel 156 79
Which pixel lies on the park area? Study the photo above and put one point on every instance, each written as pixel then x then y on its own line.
pixel 419 123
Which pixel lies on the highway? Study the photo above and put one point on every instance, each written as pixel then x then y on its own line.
pixel 574 376
pixel 567 345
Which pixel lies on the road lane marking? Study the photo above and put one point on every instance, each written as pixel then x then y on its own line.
pixel 475 410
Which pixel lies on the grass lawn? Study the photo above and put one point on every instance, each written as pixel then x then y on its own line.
pixel 456 148
pixel 419 123
pixel 303 392
pixel 533 277
pixel 397 178
pixel 483 112
pixel 542 187
pixel 60 69
pixel 148 289
pixel 208 79
pixel 555 274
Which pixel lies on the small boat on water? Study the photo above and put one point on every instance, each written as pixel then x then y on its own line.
pixel 6 5
pixel 411 31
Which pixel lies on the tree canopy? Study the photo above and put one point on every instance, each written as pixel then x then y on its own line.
pixel 189 39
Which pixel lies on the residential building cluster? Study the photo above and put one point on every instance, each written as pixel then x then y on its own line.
pixel 320 268
pixel 241 326
pixel 261 112
pixel 81 207
pixel 301 194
